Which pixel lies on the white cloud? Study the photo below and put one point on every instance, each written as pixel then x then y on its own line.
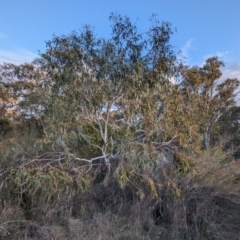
pixel 232 71
pixel 184 54
pixel 185 49
pixel 17 57
pixel 223 56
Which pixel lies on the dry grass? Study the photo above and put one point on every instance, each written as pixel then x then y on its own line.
pixel 216 168
pixel 102 226
pixel 208 208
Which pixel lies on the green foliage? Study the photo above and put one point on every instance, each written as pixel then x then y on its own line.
pixel 93 112
pixel 49 183
pixel 183 162
pixel 204 94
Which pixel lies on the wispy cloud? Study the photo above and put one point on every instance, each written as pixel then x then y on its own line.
pixel 223 56
pixel 232 71
pixel 184 54
pixel 17 57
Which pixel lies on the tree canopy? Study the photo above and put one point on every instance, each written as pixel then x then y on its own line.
pixel 95 109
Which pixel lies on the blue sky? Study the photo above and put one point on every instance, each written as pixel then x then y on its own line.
pixel 204 27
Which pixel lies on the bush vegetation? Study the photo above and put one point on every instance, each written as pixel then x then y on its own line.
pixel 97 142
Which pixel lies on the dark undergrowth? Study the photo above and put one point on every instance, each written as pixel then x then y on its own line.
pixel 109 212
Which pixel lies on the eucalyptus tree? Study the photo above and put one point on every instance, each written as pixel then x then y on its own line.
pixel 207 97
pixel 104 112
pixel 21 89
pixel 109 94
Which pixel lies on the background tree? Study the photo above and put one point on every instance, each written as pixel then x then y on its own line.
pixel 205 94
pixel 22 91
